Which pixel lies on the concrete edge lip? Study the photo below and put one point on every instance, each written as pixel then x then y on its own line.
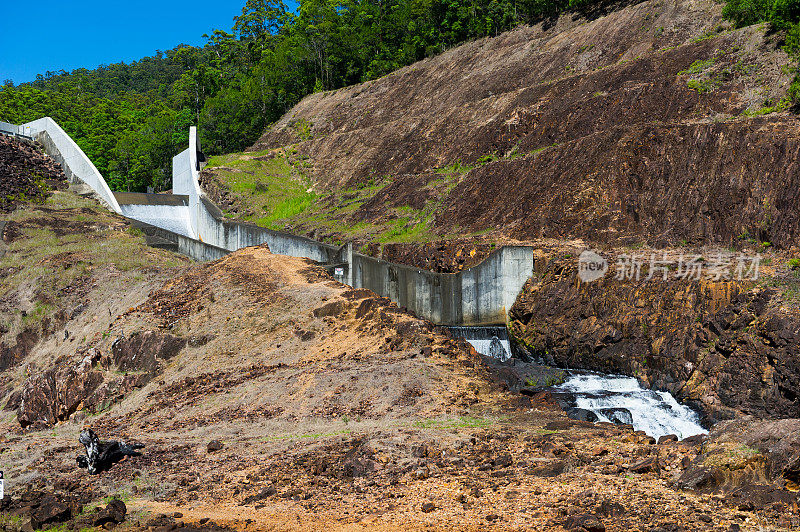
pixel 139 198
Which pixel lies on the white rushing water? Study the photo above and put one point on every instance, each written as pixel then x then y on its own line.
pixel 488 341
pixel 656 413
pixel 494 347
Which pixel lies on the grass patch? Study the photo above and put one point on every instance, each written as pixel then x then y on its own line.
pixel 62 250
pixel 10 521
pixel 702 86
pixel 456 167
pixel 273 190
pixel 766 109
pixel 405 230
pixel 701 65
pixel 287 209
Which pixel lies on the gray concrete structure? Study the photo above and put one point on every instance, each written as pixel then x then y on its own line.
pixel 191 224
pixel 15 130
pixel 481 295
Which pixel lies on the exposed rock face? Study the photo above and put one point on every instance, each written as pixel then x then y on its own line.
pixel 627 127
pixel 725 347
pixel 144 350
pixel 11 356
pixel 444 257
pixel 57 392
pixel 27 173
pixel 756 462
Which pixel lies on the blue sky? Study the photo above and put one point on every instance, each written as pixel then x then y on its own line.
pixel 41 35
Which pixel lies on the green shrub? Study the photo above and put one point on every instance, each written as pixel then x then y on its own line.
pixel 785 13
pixel 794 264
pixel 747 12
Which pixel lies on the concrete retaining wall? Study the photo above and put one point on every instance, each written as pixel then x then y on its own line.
pixel 481 295
pixel 210 226
pixel 15 130
pixel 195 227
pixel 77 167
pixel 199 250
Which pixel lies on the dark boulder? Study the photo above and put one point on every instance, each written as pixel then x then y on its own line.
pixel 51 510
pixel 553 468
pixel 587 522
pixel 618 416
pixel 581 414
pixel 144 350
pixel 645 465
pixel 114 512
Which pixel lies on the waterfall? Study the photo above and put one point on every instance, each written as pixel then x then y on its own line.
pixel 488 341
pixel 621 399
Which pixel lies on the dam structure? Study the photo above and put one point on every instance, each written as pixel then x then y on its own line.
pixel 189 223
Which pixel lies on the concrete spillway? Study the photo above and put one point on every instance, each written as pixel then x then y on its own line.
pixel 189 223
pixel 170 217
pixel 166 211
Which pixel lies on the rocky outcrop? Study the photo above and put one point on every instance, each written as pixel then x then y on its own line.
pixel 442 257
pixel 755 463
pixel 11 356
pixel 144 350
pixel 726 347
pixel 27 173
pixel 56 393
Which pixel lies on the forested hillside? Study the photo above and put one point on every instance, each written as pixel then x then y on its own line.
pixel 130 119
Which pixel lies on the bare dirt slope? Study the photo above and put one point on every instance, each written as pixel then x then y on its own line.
pixel 655 123
pixel 332 408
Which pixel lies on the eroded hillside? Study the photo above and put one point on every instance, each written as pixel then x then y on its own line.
pixel 269 396
pixel 655 123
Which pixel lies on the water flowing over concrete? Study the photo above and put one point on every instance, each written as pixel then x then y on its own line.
pixel 488 341
pixel 612 397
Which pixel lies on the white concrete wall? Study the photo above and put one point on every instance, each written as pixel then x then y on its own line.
pixel 173 218
pixel 481 295
pixel 210 227
pixel 76 164
pixel 13 129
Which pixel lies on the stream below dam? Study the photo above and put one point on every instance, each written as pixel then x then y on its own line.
pixel 597 397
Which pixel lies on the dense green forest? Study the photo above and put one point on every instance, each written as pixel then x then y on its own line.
pixel 130 119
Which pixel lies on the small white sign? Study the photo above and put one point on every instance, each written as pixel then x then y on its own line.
pixel 1 484
pixel 339 271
